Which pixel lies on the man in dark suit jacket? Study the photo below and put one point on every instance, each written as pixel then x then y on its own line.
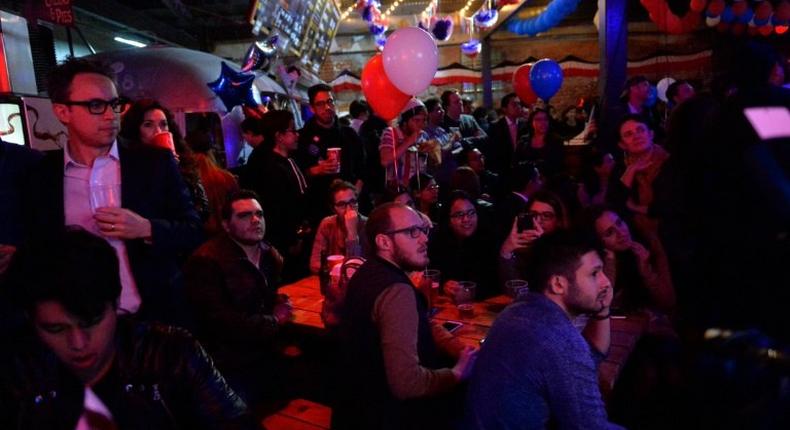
pixel 455 120
pixel 505 135
pixel 150 226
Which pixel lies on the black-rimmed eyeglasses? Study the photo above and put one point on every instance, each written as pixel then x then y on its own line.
pixel 99 106
pixel 346 203
pixel 414 231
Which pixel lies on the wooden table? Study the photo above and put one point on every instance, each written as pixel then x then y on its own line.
pixel 307 300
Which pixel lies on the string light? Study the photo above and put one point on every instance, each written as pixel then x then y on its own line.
pixel 466 7
pixel 348 11
pixel 430 6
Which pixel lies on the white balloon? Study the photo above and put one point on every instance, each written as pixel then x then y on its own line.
pixel 661 88
pixel 411 59
pixel 712 21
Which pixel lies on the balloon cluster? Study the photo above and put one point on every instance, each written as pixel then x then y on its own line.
pixel 370 11
pixel 668 22
pixel 260 55
pixel 486 18
pixel 555 12
pixel 542 79
pixel 234 88
pixel 404 69
pixel 739 18
pixel 471 48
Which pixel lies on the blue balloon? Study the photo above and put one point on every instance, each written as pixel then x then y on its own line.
pixel 545 76
pixel 234 88
pixel 746 16
pixel 727 16
pixel 652 97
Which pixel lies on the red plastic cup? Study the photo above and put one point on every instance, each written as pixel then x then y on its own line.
pixel 164 140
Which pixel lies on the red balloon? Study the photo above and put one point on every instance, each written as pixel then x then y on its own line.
pixel 386 100
pixel 739 7
pixel 522 86
pixel 765 30
pixel 783 11
pixel 716 7
pixel 697 5
pixel 763 11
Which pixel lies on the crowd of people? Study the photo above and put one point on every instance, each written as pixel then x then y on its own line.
pixel 140 278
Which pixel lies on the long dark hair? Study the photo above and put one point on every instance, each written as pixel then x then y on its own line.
pixel 130 130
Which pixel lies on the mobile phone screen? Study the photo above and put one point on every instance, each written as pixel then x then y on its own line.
pixel 525 222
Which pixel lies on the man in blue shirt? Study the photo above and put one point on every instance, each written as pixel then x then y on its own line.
pixel 535 369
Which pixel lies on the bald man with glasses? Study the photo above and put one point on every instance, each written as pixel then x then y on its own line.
pixel 135 198
pixel 397 367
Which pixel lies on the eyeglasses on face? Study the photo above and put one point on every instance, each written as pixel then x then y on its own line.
pixel 324 103
pixel 471 213
pixel 346 203
pixel 546 216
pixel 99 106
pixel 414 231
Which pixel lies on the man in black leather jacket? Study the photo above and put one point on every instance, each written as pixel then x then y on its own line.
pixel 78 362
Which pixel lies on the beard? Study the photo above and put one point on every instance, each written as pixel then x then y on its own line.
pixel 409 263
pixel 579 305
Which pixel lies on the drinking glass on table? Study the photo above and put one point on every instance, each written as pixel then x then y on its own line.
pixel 429 285
pixel 516 289
pixel 465 298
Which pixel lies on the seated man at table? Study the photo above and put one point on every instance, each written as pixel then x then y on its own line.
pixel 232 284
pixel 535 370
pixel 395 377
pixel 77 364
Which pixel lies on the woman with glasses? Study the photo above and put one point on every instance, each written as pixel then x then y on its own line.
pixel 545 214
pixel 402 152
pixel 339 234
pixel 425 192
pixel 463 249
pixel 142 122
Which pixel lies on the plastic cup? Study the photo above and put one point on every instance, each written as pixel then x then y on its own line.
pixel 334 260
pixel 516 289
pixel 164 140
pixel 333 154
pixel 105 196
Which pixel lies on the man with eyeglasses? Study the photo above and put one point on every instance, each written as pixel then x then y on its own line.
pixel 396 366
pixel 231 283
pixel 133 196
pixel 321 132
pixel 339 234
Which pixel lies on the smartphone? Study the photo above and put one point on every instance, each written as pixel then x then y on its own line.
pixel 525 222
pixel 452 326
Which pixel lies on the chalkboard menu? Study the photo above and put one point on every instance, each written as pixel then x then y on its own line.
pixel 306 27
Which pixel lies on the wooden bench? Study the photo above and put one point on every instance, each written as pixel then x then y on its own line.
pixel 300 414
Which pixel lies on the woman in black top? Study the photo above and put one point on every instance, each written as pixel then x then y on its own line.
pixel 462 249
